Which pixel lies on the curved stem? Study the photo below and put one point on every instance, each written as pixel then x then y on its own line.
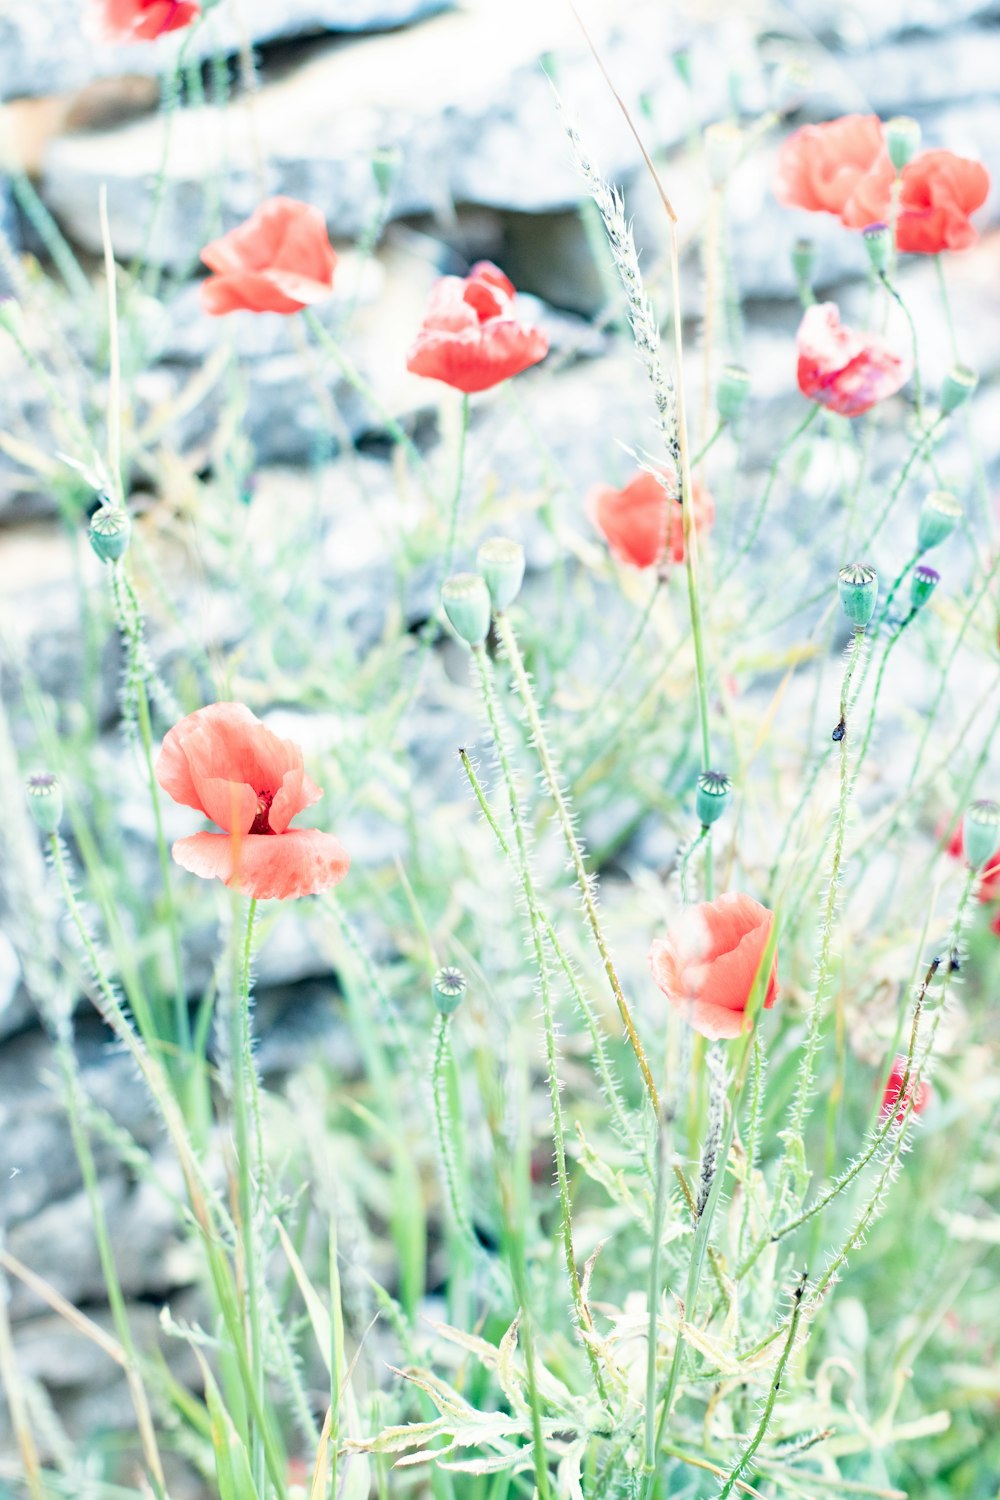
pixel 772 475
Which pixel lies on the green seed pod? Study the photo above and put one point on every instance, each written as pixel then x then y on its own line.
pixel 732 392
pixel 385 167
pixel 922 585
pixel 804 262
pixel 981 832
pixel 858 585
pixel 45 800
pixel 110 529
pixel 501 562
pixel 723 149
pixel 939 515
pixel 466 601
pixel 449 987
pixel 878 243
pixel 902 136
pixel 956 388
pixel 715 792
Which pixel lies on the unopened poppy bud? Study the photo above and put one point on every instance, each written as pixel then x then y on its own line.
pixel 858 585
pixel 981 832
pixel 110 528
pixel 45 800
pixel 922 585
pixel 466 601
pixel 449 987
pixel 715 792
pixel 878 243
pixel 682 64
pixel 803 261
pixel 385 167
pixel 939 515
pixel 902 137
pixel 956 388
pixel 723 149
pixel 501 562
pixel 732 392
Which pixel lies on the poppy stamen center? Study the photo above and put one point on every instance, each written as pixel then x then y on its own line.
pixel 260 823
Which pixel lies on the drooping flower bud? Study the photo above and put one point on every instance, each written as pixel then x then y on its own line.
pixel 922 585
pixel 466 601
pixel 981 832
pixel 449 987
pixel 858 586
pixel 45 800
pixel 878 243
pixel 110 529
pixel 902 137
pixel 804 261
pixel 939 515
pixel 956 388
pixel 501 562
pixel 732 392
pixel 723 149
pixel 715 792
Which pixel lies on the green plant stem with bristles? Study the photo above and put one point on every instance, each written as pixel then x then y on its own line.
pixel 249 1166
pixel 617 672
pixel 685 859
pixel 894 293
pixel 653 1295
pixel 509 642
pixel 445 1126
pixel 523 868
pixel 772 1395
pixel 873 710
pixel 709 444
pixel 772 475
pixel 793 1162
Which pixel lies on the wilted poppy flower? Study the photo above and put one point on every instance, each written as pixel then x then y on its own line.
pixel 280 261
pixel 141 20
pixel 847 371
pixel 642 523
pixel 224 762
pixel 823 167
pixel 470 338
pixel 891 1098
pixel 707 964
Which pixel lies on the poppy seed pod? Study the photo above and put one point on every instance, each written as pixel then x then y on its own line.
pixel 732 392
pixel 723 149
pixel 981 832
pixel 385 167
pixel 902 137
pixel 956 388
pixel 939 515
pixel 804 261
pixel 449 987
pixel 878 243
pixel 45 800
pixel 110 529
pixel 715 792
pixel 858 586
pixel 501 562
pixel 922 585
pixel 466 601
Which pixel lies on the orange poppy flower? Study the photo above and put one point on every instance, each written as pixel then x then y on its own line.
pixel 642 523
pixel 280 261
pixel 823 167
pixel 846 371
pixel 937 192
pixel 470 338
pixel 142 20
pixel 226 764
pixel 707 964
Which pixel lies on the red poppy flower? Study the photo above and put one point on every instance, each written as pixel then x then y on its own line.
pixel 939 191
pixel 707 964
pixel 224 762
pixel 642 523
pixel 891 1098
pixel 845 370
pixel 823 167
pixel 989 878
pixel 280 261
pixel 142 20
pixel 470 338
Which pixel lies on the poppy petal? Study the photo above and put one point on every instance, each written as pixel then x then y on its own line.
pixel 301 862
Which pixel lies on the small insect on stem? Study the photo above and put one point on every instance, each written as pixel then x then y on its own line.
pixel 840 731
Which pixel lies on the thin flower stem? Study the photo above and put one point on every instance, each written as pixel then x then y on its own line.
pixel 653 1293
pixel 873 710
pixel 10 1378
pixel 446 1127
pixel 946 305
pixel 523 867
pixel 248 1164
pixel 894 293
pixel 772 1395
pixel 709 444
pixel 509 641
pixel 793 1162
pixel 922 445
pixel 618 670
pixel 772 475
pixel 685 860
